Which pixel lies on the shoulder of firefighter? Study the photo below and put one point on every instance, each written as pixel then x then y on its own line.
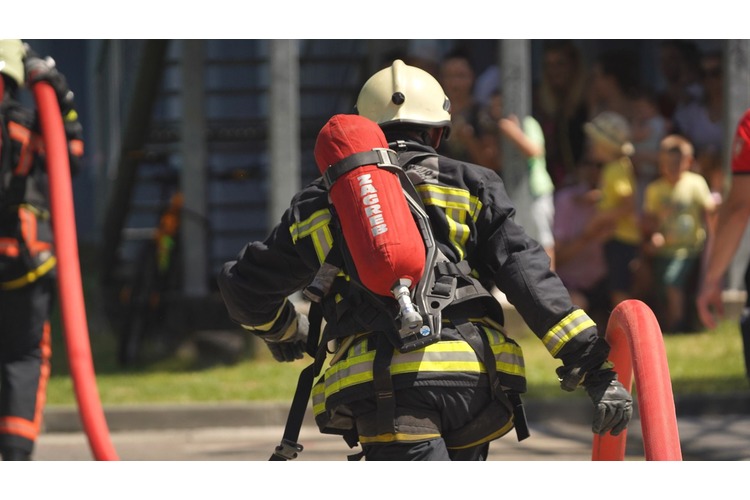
pixel 480 245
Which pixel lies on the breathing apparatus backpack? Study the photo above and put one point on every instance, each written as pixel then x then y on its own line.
pixel 387 247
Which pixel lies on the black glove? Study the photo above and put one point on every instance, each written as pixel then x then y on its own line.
pixel 292 344
pixel 613 404
pixel 44 69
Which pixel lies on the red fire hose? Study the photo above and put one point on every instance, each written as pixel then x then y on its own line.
pixel 638 347
pixel 73 310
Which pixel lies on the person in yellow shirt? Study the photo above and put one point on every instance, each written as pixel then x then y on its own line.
pixel 609 144
pixel 678 212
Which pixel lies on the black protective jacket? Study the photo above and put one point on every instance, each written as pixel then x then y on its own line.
pixel 26 250
pixel 472 220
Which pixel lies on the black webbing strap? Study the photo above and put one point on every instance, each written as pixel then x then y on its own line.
pixel 381 157
pixel 483 350
pixel 289 448
pixel 383 384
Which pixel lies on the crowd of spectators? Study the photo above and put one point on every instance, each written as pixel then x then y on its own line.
pixel 633 173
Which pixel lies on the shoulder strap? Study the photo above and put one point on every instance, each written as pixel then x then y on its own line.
pixel 289 448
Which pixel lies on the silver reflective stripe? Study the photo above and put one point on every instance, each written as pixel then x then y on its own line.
pixel 450 356
pixel 567 328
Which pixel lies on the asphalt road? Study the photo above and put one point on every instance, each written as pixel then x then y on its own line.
pixel 250 433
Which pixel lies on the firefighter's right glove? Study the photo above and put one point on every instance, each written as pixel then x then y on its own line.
pixel 613 404
pixel 291 343
pixel 44 69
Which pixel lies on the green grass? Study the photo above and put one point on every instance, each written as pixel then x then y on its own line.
pixel 699 363
pixel 704 362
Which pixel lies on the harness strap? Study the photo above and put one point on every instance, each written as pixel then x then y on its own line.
pixel 381 157
pixel 484 353
pixel 383 385
pixel 289 448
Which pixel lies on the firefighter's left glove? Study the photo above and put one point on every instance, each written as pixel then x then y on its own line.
pixel 290 344
pixel 44 69
pixel 613 403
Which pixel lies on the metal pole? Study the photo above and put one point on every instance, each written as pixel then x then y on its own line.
pixel 284 132
pixel 515 61
pixel 193 176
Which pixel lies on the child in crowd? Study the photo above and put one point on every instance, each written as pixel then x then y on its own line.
pixel 678 213
pixel 609 144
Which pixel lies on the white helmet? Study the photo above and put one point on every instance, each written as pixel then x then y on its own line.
pixel 404 94
pixel 12 53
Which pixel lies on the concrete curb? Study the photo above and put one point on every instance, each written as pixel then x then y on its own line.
pixel 193 416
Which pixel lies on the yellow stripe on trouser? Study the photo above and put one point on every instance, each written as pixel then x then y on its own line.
pixel 397 436
pixel 497 434
pixel 448 356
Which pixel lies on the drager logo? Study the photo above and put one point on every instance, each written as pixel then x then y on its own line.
pixel 372 204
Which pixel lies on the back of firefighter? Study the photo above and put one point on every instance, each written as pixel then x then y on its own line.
pixel 450 399
pixel 27 261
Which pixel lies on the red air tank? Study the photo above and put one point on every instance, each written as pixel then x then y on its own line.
pixel 382 236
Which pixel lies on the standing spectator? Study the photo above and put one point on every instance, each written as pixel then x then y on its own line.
pixel 579 242
pixel 609 136
pixel 535 209
pixel 560 108
pixel 27 261
pixel 457 77
pixel 731 223
pixel 677 218
pixel 614 79
pixel 699 121
pixel 679 65
pixel 649 128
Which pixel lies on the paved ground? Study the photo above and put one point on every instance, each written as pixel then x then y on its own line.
pixel 708 431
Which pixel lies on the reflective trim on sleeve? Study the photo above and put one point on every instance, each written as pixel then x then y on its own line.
pixel 266 326
pixel 567 328
pixel 315 226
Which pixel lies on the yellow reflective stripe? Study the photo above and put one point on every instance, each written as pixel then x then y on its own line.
pixel 447 197
pixel 31 276
pixel 390 437
pixel 355 369
pixel 508 355
pixel 266 326
pixel 318 398
pixel 458 233
pixel 445 356
pixel 308 226
pixel 315 226
pixel 498 433
pixel 567 328
pixel 322 241
pixel 457 204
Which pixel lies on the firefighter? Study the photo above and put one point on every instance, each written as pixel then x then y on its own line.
pixel 447 400
pixel 27 260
